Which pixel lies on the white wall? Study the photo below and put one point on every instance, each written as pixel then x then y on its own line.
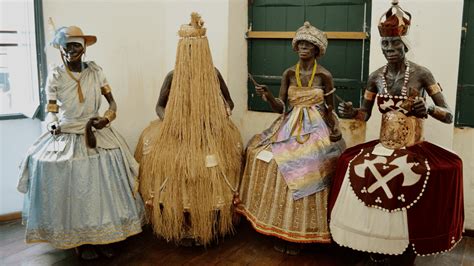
pixel 15 138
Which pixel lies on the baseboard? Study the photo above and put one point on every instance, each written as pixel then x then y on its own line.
pixel 10 216
pixel 469 232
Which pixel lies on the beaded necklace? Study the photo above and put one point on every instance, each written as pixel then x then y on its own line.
pixel 302 139
pixel 404 91
pixel 298 79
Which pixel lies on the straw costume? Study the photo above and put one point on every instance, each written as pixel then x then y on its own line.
pixel 77 195
pixel 290 165
pixel 191 160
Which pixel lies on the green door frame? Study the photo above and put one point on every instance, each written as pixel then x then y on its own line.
pixel 464 114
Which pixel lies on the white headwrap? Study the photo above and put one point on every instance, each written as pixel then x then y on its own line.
pixel 406 41
pixel 76 39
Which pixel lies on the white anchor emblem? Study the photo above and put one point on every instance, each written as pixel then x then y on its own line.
pixel 402 167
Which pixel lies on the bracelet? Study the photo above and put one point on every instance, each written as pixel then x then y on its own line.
pixel 52 108
pixel 110 115
pixel 281 102
pixel 105 89
pixel 330 92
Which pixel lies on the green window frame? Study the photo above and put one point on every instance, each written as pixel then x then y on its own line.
pixel 347 57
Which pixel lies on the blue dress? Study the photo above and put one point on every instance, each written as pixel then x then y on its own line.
pixel 76 195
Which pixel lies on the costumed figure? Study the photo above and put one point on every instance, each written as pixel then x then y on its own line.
pixel 80 178
pixel 289 166
pixel 400 191
pixel 191 157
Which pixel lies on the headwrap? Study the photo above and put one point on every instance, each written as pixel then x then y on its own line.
pixel 313 35
pixel 76 39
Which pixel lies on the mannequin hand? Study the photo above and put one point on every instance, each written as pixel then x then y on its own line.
pixel 54 128
pixel 419 108
pixel 335 135
pixel 333 125
pixel 263 92
pixel 346 110
pixel 99 122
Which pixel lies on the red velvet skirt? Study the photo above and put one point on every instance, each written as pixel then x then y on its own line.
pixel 423 180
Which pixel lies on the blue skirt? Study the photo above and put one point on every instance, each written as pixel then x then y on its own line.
pixel 79 195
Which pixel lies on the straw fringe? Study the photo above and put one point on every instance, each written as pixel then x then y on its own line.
pixel 195 125
pixel 146 145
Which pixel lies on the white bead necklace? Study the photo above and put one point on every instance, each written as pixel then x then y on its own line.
pixel 404 91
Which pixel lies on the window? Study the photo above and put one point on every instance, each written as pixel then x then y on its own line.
pixel 272 25
pixel 21 58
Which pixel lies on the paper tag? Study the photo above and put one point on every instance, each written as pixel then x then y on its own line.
pixel 211 161
pixel 379 149
pixel 265 156
pixel 56 146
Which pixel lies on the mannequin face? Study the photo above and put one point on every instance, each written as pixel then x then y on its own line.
pixel 73 51
pixel 393 49
pixel 306 50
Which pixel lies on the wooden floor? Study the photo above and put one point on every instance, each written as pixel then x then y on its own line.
pixel 246 247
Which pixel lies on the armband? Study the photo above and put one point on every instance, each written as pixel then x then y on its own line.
pixel 110 115
pixel 433 89
pixel 369 96
pixel 52 108
pixel 105 89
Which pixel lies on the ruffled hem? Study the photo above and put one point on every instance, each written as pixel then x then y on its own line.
pixel 287 235
pixel 74 238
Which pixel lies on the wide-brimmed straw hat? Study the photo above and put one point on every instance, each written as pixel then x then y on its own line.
pixel 62 34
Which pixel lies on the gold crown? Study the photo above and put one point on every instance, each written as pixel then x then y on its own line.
pixel 194 28
pixel 394 22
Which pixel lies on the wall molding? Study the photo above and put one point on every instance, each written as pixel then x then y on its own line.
pixel 468 232
pixel 10 216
